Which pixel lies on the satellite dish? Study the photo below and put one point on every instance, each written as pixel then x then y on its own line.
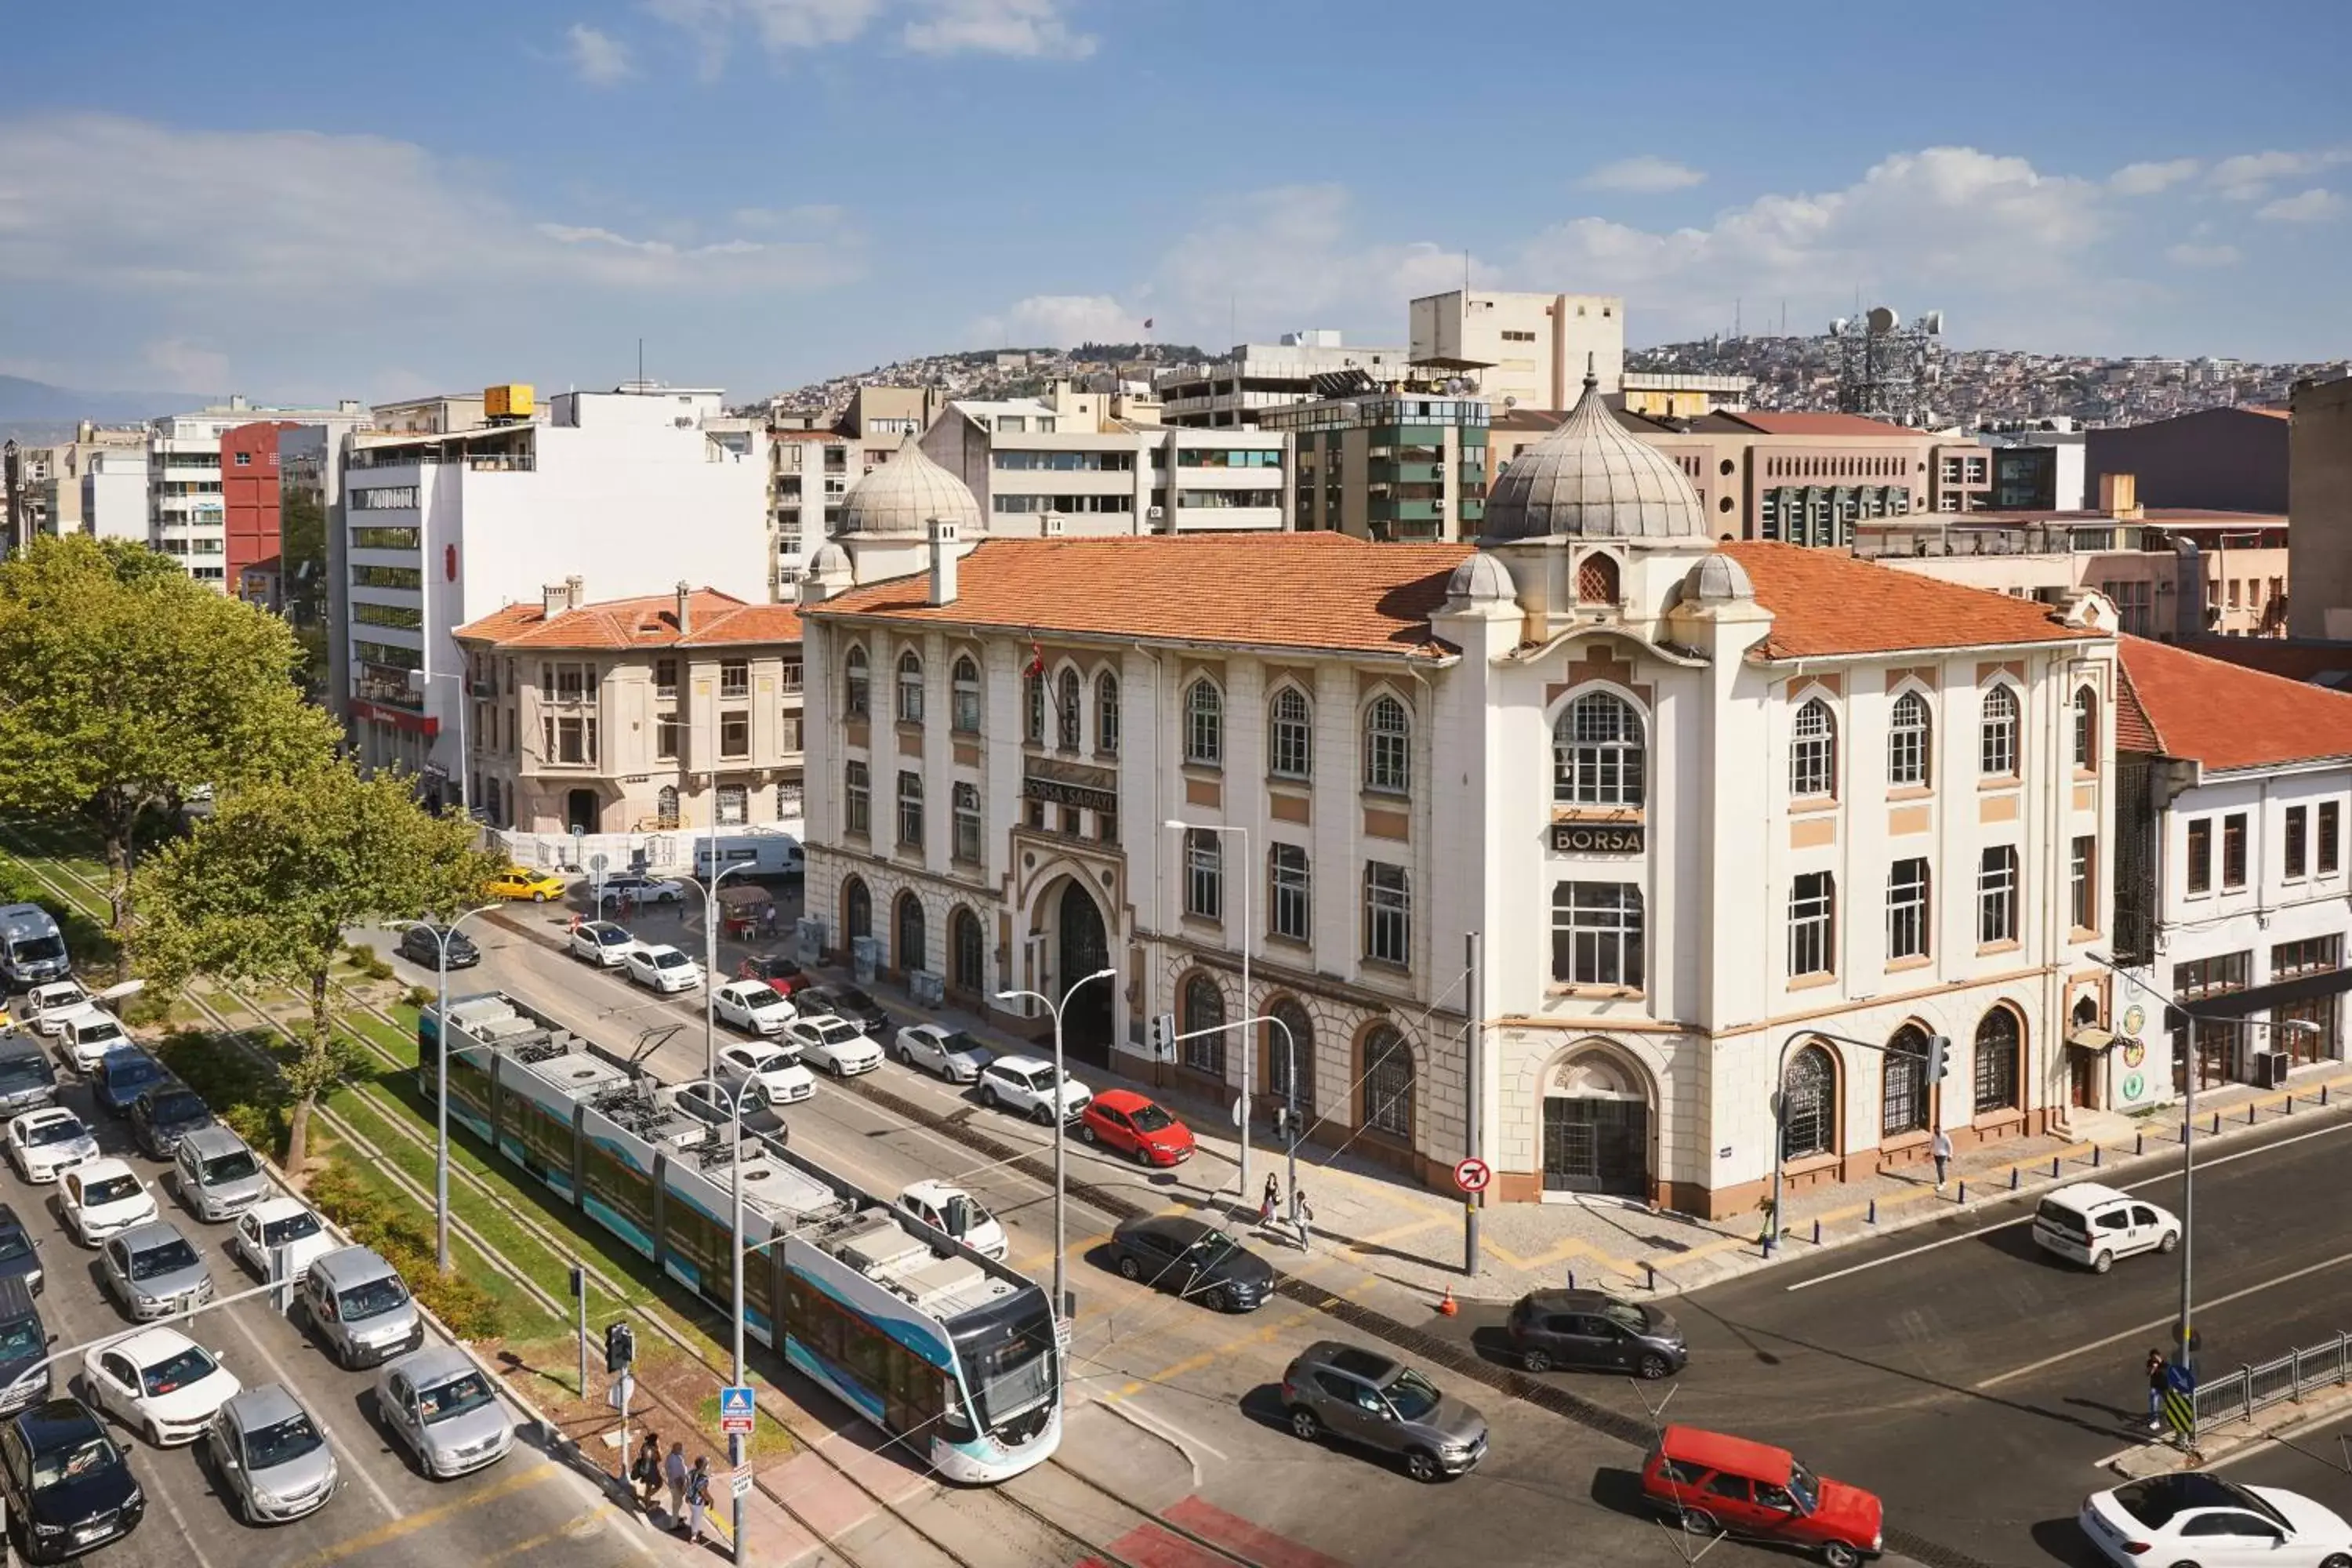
pixel 1837 326
pixel 1934 321
pixel 1882 318
pixel 1511 401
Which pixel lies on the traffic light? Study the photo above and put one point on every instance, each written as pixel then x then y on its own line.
pixel 1163 1036
pixel 620 1348
pixel 1939 1048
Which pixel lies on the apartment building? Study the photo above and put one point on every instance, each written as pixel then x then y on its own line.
pixel 1401 462
pixel 1522 351
pixel 188 474
pixel 114 480
pixel 1231 392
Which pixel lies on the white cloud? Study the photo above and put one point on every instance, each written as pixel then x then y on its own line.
pixel 2249 176
pixel 1061 321
pixel 1030 28
pixel 2191 255
pixel 599 58
pixel 1645 175
pixel 186 366
pixel 2148 179
pixel 2313 206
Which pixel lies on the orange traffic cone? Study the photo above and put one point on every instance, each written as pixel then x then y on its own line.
pixel 1445 1308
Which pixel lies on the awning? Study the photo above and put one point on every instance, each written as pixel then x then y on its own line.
pixel 2092 1040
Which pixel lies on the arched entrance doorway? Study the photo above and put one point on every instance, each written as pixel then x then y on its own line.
pixel 912 953
pixel 1596 1126
pixel 581 812
pixel 1082 947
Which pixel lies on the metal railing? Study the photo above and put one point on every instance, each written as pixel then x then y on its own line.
pixel 2236 1395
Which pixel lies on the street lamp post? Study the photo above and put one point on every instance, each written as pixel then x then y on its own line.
pixel 1061 1188
pixel 441 938
pixel 1934 1058
pixel 709 888
pixel 1290 1058
pixel 1176 824
pixel 735 1100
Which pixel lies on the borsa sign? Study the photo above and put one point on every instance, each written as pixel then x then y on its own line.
pixel 1596 838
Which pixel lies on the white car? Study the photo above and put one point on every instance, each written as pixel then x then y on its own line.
pixel 1026 1085
pixel 644 890
pixel 91 1035
pixel 43 1142
pixel 101 1197
pixel 2093 1224
pixel 774 1072
pixel 833 1044
pixel 601 942
pixel 2194 1517
pixel 662 967
pixel 47 1008
pixel 754 1006
pixel 950 1054
pixel 160 1381
pixel 957 1213
pixel 273 1223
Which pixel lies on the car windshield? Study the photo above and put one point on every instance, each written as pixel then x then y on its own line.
pixel 372 1299
pixel 1413 1396
pixel 234 1167
pixel 294 1228
pixel 1805 1485
pixel 49 998
pixel 672 959
pixel 14 1244
pixel 1626 1316
pixel 21 1340
pixel 73 1462
pixel 770 1062
pixel 112 1190
pixel 181 1105
pixel 18 1070
pixel 850 996
pixel 97 1030
pixel 453 1398
pixel 280 1442
pixel 960 1044
pixel 168 1258
pixel 174 1372
pixel 1149 1118
pixel 126 1069
pixel 2158 1501
pixel 836 1033
pixel 64 1130
pixel 38 948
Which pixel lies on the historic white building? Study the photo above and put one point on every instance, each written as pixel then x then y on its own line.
pixel 1706 805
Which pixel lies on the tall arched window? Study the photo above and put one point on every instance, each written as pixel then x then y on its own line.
pixel 1996 738
pixel 1597 753
pixel 964 801
pixel 910 687
pixel 857 684
pixel 1908 737
pixel 1809 1105
pixel 1033 697
pixel 911 809
pixel 1205 724
pixel 856 909
pixel 1282 1050
pixel 1812 750
pixel 1387 746
pixel 1388 1082
pixel 2000 1044
pixel 1903 1083
pixel 1204 1008
pixel 1290 739
pixel 2086 728
pixel 665 806
pixel 913 952
pixel 967 951
pixel 1069 710
pixel 963 709
pixel 1106 713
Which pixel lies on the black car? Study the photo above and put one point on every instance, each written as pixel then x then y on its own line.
pixel 422 944
pixel 24 1344
pixel 1193 1259
pixel 122 1077
pixel 843 1002
pixel 164 1114
pixel 69 1490
pixel 1595 1331
pixel 19 1258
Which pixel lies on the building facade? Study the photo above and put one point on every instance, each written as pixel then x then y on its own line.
pixel 2320 499
pixel 2227 459
pixel 1228 394
pixel 188 474
pixel 1527 351
pixel 1394 464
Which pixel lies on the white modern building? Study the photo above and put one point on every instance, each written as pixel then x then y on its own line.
pixel 622 490
pixel 114 493
pixel 1228 393
pixel 1712 808
pixel 1525 351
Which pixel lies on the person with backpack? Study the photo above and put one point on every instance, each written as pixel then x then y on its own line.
pixel 645 1475
pixel 1302 1213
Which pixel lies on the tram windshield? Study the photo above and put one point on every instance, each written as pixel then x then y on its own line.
pixel 1010 1366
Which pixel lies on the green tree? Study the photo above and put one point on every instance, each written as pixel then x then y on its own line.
pixel 125 684
pixel 263 890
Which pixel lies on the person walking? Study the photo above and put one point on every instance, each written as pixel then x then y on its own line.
pixel 698 1500
pixel 645 1474
pixel 1271 1205
pixel 2158 1381
pixel 1941 1149
pixel 673 1473
pixel 1303 1213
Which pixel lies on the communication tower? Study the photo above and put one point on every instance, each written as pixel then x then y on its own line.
pixel 1887 370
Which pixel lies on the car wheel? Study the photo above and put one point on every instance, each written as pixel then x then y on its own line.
pixel 1128 1269
pixel 1654 1366
pixel 1536 1361
pixel 2335 1560
pixel 2172 1239
pixel 155 1434
pixel 2103 1262
pixel 1143 1156
pixel 1838 1555
pixel 1303 1425
pixel 1214 1297
pixel 988 1096
pixel 840 1068
pixel 1042 1116
pixel 1698 1521
pixel 1422 1466
pixel 539 898
pixel 1088 1134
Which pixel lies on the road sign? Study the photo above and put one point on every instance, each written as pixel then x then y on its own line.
pixel 742 1480
pixel 624 1389
pixel 1472 1175
pixel 2180 1399
pixel 598 861
pixel 735 1410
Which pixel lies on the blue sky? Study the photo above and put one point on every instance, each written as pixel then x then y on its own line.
pixel 321 200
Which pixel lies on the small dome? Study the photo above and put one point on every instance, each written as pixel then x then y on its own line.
pixel 1717 580
pixel 1593 479
pixel 831 561
pixel 1481 580
pixel 902 497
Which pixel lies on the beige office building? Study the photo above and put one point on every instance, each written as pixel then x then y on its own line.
pixel 1524 350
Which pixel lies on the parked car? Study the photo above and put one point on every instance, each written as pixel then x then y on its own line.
pixel 26 1078
pixel 661 967
pixel 43 1142
pixel 1364 1397
pixel 844 1002
pixel 89 1036
pixel 782 973
pixel 1024 1085
pixel 836 1045
pixel 360 1306
pixel 24 1344
pixel 601 942
pixel 753 1006
pixel 102 1197
pixel 68 1488
pixel 421 943
pixel 217 1175
pixel 953 1211
pixel 1713 1484
pixel 2193 1516
pixel 164 1114
pixel 442 1408
pixel 949 1054
pixel 1194 1260
pixel 275 1223
pixel 644 890
pixel 1132 1124
pixel 521 882
pixel 153 1271
pixel 47 1008
pixel 714 1106
pixel 2094 1224
pixel 160 1381
pixel 775 1075
pixel 20 1251
pixel 1594 1331
pixel 271 1456
pixel 121 1076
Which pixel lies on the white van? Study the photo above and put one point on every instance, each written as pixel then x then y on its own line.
pixel 2094 1224
pixel 767 854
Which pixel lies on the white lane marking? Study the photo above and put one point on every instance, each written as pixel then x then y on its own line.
pixel 187 1536
pixel 2015 1373
pixel 2027 1219
pixel 351 1465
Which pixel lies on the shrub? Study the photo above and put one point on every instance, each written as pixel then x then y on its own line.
pixel 367 960
pixel 421 997
pixel 373 1222
pixel 143 1009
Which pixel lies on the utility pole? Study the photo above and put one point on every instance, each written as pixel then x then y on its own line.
pixel 1474 1135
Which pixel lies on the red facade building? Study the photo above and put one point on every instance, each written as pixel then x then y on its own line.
pixel 249 494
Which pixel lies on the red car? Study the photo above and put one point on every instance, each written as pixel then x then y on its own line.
pixel 1123 1120
pixel 775 969
pixel 1714 1485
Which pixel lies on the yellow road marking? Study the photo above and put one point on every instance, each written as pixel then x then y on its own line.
pixel 409 1524
pixel 561 1532
pixel 1398 1233
pixel 1210 1357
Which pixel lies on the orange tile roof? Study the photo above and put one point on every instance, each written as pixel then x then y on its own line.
pixel 2135 731
pixel 2225 716
pixel 1279 590
pixel 714 619
pixel 1825 602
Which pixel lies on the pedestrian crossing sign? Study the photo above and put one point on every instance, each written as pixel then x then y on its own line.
pixel 735 1409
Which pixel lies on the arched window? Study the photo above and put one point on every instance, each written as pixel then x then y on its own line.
pixel 1388 747
pixel 910 687
pixel 965 799
pixel 1032 698
pixel 1809 1105
pixel 1106 713
pixel 1204 1008
pixel 1812 752
pixel 857 684
pixel 1903 1083
pixel 856 909
pixel 1281 1051
pixel 665 806
pixel 1291 735
pixel 963 709
pixel 1204 725
pixel 912 952
pixel 1068 709
pixel 1908 741
pixel 2086 728
pixel 967 951
pixel 1996 738
pixel 1999 1044
pixel 1205 874
pixel 856 798
pixel 910 810
pixel 1388 1082
pixel 1596 752
pixel 1596 580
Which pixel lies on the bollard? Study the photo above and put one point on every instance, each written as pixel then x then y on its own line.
pixel 1873 1218
pixel 1571 1279
pixel 1964 1191
pixel 2288 1109
pixel 2098 1153
pixel 1650 1276
pixel 2217 1124
pixel 2016 1176
pixel 2323 1094
pixel 2184 1130
pixel 1817 1233
pixel 2139 1141
pixel 2053 1165
pixel 2250 1114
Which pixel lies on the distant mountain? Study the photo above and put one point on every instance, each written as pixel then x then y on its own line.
pixel 24 401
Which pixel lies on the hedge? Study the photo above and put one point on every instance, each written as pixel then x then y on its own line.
pixel 376 1223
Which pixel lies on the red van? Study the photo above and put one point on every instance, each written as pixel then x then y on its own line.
pixel 1712 1484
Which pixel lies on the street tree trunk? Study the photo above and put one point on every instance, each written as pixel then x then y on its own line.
pixel 312 1070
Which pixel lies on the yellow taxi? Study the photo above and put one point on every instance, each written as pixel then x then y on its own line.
pixel 521 882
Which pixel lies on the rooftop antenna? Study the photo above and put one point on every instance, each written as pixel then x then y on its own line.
pixel 1735 316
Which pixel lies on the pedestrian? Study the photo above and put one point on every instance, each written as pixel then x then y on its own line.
pixel 1272 1202
pixel 645 1474
pixel 698 1500
pixel 1941 1149
pixel 674 1472
pixel 1302 1213
pixel 2158 1381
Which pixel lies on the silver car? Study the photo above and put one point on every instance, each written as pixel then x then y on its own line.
pixel 439 1403
pixel 154 1271
pixel 217 1175
pixel 950 1054
pixel 1369 1399
pixel 360 1306
pixel 271 1457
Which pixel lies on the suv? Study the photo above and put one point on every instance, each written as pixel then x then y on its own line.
pixel 87 1036
pixel 69 1487
pixel 216 1176
pixel 1026 1084
pixel 23 1343
pixel 2090 1223
pixel 601 942
pixel 1367 1398
pixel 1593 1329
pixel 1714 1485
pixel 28 1081
pixel 360 1306
pixel 164 1114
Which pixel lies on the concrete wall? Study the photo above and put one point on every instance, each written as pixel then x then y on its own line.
pixel 2320 503
pixel 2229 459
